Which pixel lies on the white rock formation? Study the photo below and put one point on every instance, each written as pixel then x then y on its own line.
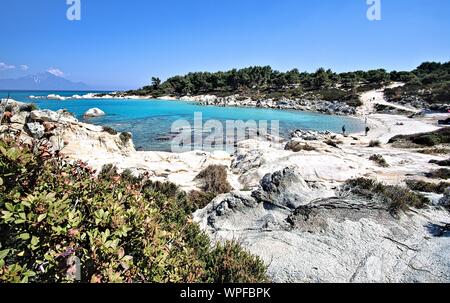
pixel 94 112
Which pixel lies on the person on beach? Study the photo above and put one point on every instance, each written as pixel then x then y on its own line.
pixel 367 130
pixel 344 129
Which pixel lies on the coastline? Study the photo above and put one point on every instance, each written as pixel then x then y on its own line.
pixel 305 177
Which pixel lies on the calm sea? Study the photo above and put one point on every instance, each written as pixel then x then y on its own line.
pixel 150 121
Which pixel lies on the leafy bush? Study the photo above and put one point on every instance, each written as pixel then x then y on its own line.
pixel 427 187
pixel 441 136
pixel 122 231
pixel 199 200
pixel 232 265
pixel 396 198
pixel 109 130
pixel 125 137
pixel 29 107
pixel 379 159
pixel 214 180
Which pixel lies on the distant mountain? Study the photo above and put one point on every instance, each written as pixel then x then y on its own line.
pixel 42 81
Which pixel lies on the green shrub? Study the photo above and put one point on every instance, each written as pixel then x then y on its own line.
pixel 395 198
pixel 427 187
pixel 109 130
pixel 125 137
pixel 379 159
pixel 231 264
pixel 122 231
pixel 214 179
pixel 29 107
pixel 199 200
pixel 443 173
pixel 441 136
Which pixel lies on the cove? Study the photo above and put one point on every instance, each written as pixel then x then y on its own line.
pixel 150 121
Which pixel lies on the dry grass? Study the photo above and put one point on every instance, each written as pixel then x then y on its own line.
pixel 443 173
pixel 427 187
pixel 296 146
pixel 375 143
pixel 396 198
pixel 379 159
pixel 214 180
pixel 435 151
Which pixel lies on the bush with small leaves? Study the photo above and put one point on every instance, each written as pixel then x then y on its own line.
pixel 443 173
pixel 110 130
pixel 29 107
pixel 427 187
pixel 395 198
pixel 121 229
pixel 125 137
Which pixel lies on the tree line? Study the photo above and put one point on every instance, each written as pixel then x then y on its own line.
pixel 263 81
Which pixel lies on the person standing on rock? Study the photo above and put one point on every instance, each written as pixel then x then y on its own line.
pixel 367 130
pixel 344 129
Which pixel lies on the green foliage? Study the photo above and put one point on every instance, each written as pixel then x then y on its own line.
pixel 232 264
pixel 441 136
pixel 429 82
pixel 110 130
pixel 443 173
pixel 123 228
pixel 427 187
pixel 125 137
pixel 264 82
pixel 29 107
pixel 396 198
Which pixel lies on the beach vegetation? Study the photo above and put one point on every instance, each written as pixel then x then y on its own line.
pixel 379 159
pixel 440 136
pixel 120 229
pixel 374 143
pixel 213 179
pixel 394 198
pixel 427 187
pixel 443 173
pixel 441 163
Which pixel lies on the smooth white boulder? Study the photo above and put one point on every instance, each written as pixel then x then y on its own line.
pixel 94 112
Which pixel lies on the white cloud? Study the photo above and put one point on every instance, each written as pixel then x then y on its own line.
pixel 24 67
pixel 4 66
pixel 55 71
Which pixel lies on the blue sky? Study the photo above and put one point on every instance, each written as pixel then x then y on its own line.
pixel 120 44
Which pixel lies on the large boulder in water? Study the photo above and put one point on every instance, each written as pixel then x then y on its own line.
pixel 94 112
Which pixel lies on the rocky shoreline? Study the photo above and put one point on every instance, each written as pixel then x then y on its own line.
pixel 319 106
pixel 289 204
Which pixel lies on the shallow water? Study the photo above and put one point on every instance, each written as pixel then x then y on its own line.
pixel 150 121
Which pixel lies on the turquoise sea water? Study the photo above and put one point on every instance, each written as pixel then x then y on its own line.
pixel 150 121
